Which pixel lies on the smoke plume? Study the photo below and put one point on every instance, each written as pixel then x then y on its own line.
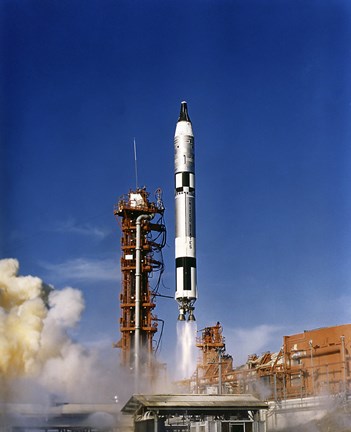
pixel 39 361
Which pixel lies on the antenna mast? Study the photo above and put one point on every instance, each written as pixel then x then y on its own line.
pixel 135 166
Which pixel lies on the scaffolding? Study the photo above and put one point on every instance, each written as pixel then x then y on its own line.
pixel 141 258
pixel 313 363
pixel 214 362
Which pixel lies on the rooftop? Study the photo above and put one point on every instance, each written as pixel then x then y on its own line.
pixel 193 402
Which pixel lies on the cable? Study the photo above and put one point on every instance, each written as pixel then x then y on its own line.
pixel 161 333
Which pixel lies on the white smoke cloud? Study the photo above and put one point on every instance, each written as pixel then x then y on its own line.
pixel 66 307
pixel 241 342
pixel 38 357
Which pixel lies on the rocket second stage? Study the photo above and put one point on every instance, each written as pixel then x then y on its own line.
pixel 185 238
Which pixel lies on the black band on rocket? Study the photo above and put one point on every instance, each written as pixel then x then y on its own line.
pixel 187 182
pixel 187 263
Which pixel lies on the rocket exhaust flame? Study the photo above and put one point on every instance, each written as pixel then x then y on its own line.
pixel 186 335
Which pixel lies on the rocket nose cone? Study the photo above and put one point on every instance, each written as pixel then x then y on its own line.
pixel 184 116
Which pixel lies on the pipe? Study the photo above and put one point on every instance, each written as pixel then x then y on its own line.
pixel 343 364
pixel 219 372
pixel 138 296
pixel 332 349
pixel 155 421
pixel 312 375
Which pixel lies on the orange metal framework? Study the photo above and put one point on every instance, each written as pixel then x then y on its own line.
pixel 315 362
pixel 212 346
pixel 128 209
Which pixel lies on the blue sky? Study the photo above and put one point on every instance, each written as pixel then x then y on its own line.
pixel 268 89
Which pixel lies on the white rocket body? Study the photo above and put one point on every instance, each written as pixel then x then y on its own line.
pixel 185 236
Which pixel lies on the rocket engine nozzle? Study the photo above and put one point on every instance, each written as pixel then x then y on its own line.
pixel 186 312
pixel 181 316
pixel 191 316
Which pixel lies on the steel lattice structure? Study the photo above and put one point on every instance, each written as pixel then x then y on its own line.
pixel 137 321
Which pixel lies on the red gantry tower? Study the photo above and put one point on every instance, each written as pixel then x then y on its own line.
pixel 143 237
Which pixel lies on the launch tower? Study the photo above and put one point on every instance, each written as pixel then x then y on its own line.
pixel 141 243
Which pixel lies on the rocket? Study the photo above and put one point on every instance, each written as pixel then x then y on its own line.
pixel 185 237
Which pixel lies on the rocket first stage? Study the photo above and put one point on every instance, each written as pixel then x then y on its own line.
pixel 185 238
